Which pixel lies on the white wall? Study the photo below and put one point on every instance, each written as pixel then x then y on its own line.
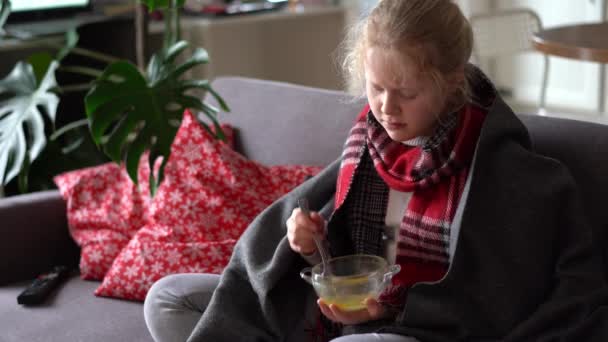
pixel 572 84
pixel 357 8
pixel 470 7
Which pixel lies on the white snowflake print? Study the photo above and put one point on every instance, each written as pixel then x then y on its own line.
pixel 173 216
pixel 156 267
pixel 197 134
pixel 85 196
pixel 205 173
pixel 192 210
pixel 191 152
pixel 98 183
pixel 129 254
pixel 208 149
pixel 173 257
pixel 224 235
pixel 210 235
pixel 215 253
pixel 214 201
pixel 111 248
pixel 129 288
pixel 146 253
pixel 144 282
pixel 192 169
pixel 96 255
pixel 175 198
pixel 131 271
pixel 209 221
pixel 228 215
pixel 209 164
pixel 236 231
pixel 222 171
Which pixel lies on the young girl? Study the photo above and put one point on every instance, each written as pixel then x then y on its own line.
pixel 437 175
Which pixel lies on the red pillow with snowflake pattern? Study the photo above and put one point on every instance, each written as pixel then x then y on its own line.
pixel 209 196
pixel 105 209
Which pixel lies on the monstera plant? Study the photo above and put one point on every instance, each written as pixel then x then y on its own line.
pixel 128 110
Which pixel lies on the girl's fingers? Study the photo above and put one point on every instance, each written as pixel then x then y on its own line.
pixel 349 317
pixel 307 223
pixel 319 222
pixel 300 232
pixel 326 310
pixel 305 242
pixel 375 309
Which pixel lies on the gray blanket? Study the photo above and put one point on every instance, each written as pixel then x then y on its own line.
pixel 524 268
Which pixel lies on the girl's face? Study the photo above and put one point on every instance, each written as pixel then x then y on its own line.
pixel 403 100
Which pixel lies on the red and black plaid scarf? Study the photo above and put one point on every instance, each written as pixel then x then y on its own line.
pixel 435 173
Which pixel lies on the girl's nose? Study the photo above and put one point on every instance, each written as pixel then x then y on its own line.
pixel 389 104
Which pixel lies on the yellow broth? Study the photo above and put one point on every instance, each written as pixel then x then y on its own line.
pixel 348 294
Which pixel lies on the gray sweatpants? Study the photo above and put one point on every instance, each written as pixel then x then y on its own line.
pixel 175 304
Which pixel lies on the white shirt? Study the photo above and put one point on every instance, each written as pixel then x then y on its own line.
pixel 395 210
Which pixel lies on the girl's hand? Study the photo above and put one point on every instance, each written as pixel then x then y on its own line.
pixel 373 311
pixel 300 231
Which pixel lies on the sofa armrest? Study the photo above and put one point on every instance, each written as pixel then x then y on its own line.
pixel 34 235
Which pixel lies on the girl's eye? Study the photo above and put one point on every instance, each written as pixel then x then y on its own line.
pixel 409 96
pixel 376 87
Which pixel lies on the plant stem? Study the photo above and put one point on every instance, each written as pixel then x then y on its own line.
pixel 69 127
pixel 177 27
pixel 4 13
pixel 172 26
pixel 72 87
pixel 141 34
pixel 168 29
pixel 81 70
pixel 95 55
pixel 87 53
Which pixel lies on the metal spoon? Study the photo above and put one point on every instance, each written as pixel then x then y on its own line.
pixel 303 204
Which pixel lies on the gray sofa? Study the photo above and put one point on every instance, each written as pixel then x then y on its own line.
pixel 277 124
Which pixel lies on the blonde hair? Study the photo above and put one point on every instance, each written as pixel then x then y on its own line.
pixel 434 33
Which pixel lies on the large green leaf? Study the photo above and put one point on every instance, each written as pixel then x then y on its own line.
pixel 161 4
pixel 40 62
pixel 130 113
pixel 22 136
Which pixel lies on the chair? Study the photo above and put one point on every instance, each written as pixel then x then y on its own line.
pixel 508 32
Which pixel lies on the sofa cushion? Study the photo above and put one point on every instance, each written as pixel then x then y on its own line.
pixel 71 314
pixel 34 236
pixel 209 196
pixel 105 209
pixel 582 147
pixel 281 123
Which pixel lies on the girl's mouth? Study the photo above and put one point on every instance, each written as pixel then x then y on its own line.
pixel 394 125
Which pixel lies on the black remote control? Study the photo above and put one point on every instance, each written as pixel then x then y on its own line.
pixel 42 286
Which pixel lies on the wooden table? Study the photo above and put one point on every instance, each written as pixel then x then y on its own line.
pixel 585 42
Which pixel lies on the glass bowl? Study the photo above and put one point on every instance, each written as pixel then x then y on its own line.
pixel 351 280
